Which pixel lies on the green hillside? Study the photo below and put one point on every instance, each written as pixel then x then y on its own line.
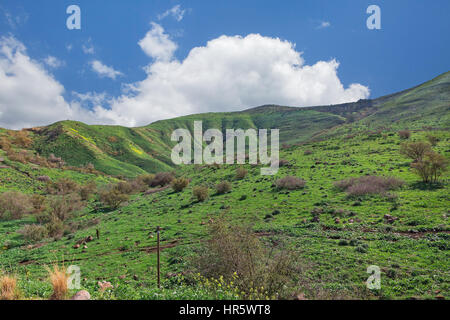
pixel 124 151
pixel 355 201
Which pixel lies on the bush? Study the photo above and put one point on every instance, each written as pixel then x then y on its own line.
pixel 22 139
pixel 307 152
pixel 124 187
pixel 368 185
pixel 223 187
pixel 33 232
pixel 290 183
pixel 137 186
pixel 113 198
pixel 39 203
pixel 147 179
pixel 200 193
pixel 404 134
pixel 56 162
pixel 55 228
pixel 22 156
pixel 63 207
pixel 87 190
pixel 43 179
pixel 241 173
pixel 430 167
pixel 5 144
pixel 162 179
pixel 433 140
pixel 13 205
pixel 283 163
pixel 236 254
pixel 63 186
pixel 179 184
pixel 415 150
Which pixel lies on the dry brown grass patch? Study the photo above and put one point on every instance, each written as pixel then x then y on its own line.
pixel 8 288
pixel 58 278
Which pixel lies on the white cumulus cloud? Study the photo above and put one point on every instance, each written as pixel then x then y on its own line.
pixel 157 44
pixel 104 70
pixel 229 73
pixel 28 94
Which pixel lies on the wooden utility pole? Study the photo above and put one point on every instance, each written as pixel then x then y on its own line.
pixel 158 266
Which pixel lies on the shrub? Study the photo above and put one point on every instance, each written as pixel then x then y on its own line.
pixel 290 183
pixel 433 140
pixel 162 179
pixel 223 187
pixel 137 186
pixel 124 187
pixel 430 167
pixel 241 173
pixel 368 185
pixel 43 179
pixel 415 150
pixel 113 198
pixel 39 203
pixel 87 190
pixel 8 288
pixel 5 144
pixel 63 186
pixel 283 163
pixel 235 253
pixel 55 228
pixel 33 232
pixel 21 156
pixel 179 184
pixel 22 139
pixel 90 168
pixel 200 193
pixel 63 207
pixel 147 179
pixel 404 134
pixel 58 278
pixel 307 152
pixel 56 162
pixel 13 205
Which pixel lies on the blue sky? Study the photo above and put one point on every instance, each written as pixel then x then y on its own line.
pixel 412 47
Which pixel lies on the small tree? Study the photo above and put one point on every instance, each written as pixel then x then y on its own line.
pixel 113 198
pixel 87 190
pixel 415 150
pixel 430 167
pixel 13 205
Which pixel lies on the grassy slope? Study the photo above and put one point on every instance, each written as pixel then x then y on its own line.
pixel 131 151
pixel 412 253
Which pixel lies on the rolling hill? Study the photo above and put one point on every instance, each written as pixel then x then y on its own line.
pixel 334 234
pixel 129 152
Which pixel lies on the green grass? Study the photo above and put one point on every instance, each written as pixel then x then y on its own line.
pixel 412 252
